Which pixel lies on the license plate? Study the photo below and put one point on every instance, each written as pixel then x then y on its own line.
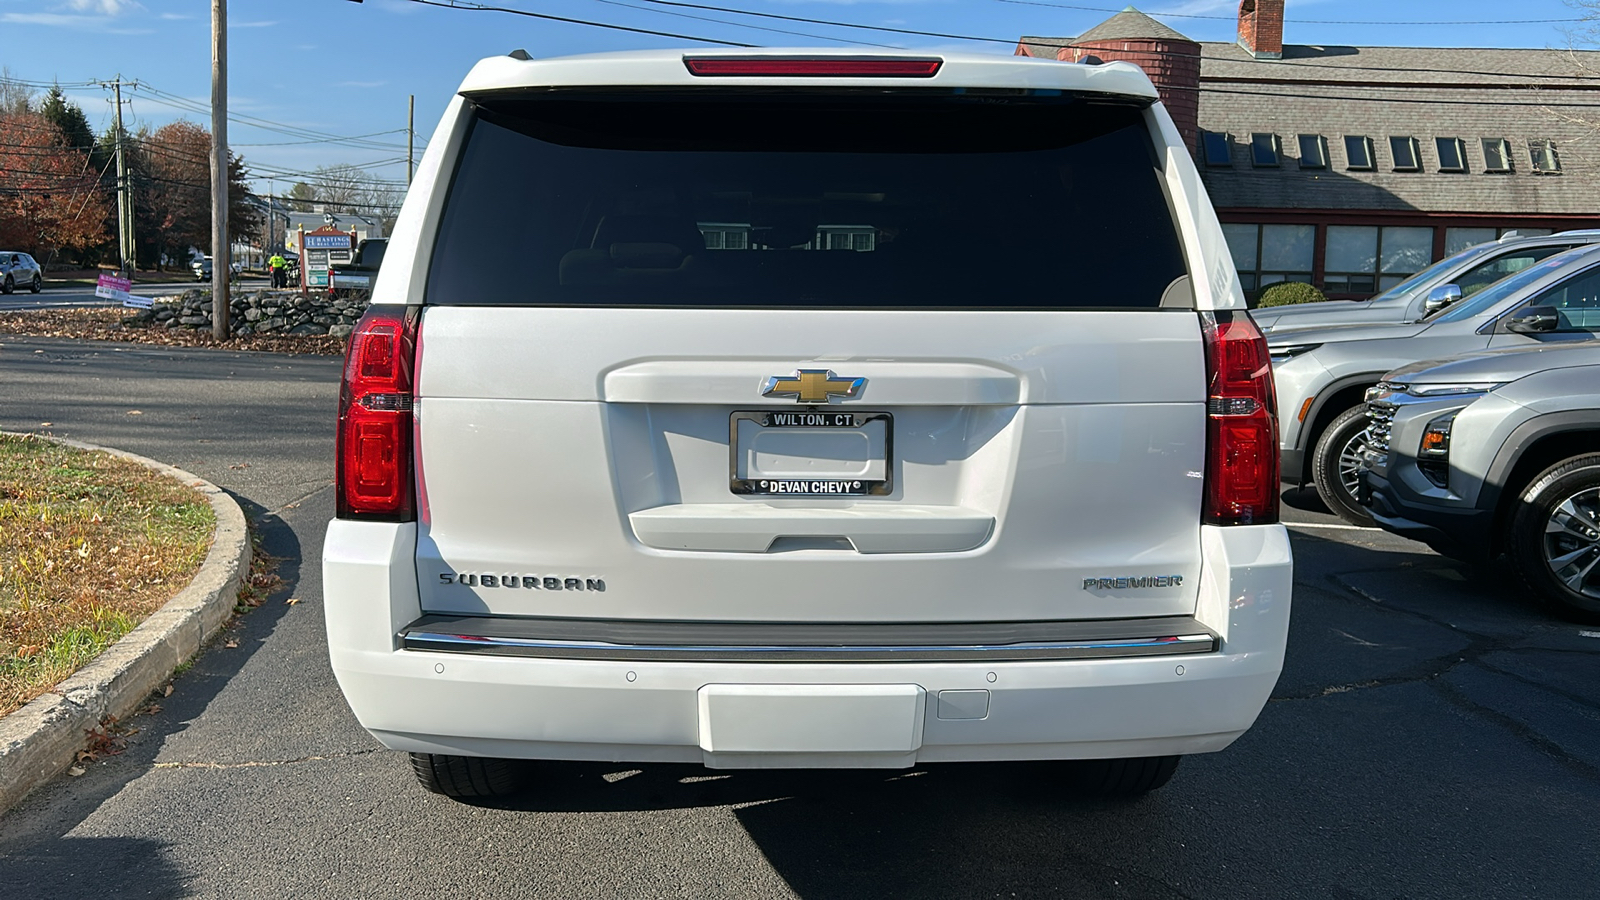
pixel 811 453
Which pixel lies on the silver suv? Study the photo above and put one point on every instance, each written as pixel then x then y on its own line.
pixel 1323 373
pixel 19 270
pixel 1450 279
pixel 1496 452
pixel 759 456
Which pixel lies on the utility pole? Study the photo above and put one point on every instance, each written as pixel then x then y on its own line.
pixel 411 135
pixel 221 245
pixel 125 247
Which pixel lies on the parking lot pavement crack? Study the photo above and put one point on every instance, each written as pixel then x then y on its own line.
pixel 265 763
pixel 300 499
pixel 1455 697
pixel 1569 696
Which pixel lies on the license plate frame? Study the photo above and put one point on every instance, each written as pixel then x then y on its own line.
pixel 824 487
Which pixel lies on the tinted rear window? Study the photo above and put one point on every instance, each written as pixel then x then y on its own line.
pixel 797 199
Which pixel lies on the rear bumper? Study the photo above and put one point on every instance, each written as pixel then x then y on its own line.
pixel 646 710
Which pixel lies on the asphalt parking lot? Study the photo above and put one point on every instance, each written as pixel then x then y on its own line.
pixel 1434 734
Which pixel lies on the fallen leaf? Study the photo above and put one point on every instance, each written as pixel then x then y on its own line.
pixel 29 650
pixel 240 466
pixel 46 424
pixel 292 601
pixel 231 644
pixel 135 412
pixel 167 692
pixel 75 771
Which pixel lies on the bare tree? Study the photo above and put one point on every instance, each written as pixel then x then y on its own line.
pixel 16 98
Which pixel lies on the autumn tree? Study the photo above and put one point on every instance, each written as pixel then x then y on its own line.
pixel 172 193
pixel 50 199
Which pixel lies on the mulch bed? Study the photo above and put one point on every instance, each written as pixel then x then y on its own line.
pixel 108 324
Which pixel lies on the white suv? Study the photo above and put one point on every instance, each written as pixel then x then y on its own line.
pixel 819 411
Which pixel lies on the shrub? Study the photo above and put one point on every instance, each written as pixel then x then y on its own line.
pixel 1288 293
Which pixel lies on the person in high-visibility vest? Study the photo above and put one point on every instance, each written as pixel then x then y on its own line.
pixel 280 270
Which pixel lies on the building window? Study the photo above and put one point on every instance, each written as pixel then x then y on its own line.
pixel 1496 155
pixel 1217 148
pixel 1404 151
pixel 1365 259
pixel 1452 154
pixel 1459 239
pixel 1263 150
pixel 1545 160
pixel 1357 152
pixel 1313 152
pixel 1268 254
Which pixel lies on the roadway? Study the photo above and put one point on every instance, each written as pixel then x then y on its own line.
pixel 1434 734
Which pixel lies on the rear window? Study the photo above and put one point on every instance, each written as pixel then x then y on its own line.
pixel 868 200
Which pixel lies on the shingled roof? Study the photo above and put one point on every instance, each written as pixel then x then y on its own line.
pixel 1042 47
pixel 1130 25
pixel 1423 93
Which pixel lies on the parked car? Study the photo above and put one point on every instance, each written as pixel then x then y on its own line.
pixel 1494 453
pixel 1323 373
pixel 362 270
pixel 672 486
pixel 1471 270
pixel 202 269
pixel 19 269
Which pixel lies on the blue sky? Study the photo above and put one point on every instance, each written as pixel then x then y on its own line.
pixel 306 69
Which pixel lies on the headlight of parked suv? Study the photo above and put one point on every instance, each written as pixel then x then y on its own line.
pixel 1433 455
pixel 1284 352
pixel 1445 390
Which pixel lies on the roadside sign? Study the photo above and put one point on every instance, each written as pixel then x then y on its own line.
pixel 337 241
pixel 110 287
pixel 321 249
pixel 138 302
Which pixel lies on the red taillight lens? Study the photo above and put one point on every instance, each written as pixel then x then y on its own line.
pixel 838 67
pixel 1241 423
pixel 374 443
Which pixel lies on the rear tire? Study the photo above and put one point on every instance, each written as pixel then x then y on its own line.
pixel 468 777
pixel 1553 539
pixel 37 285
pixel 1121 779
pixel 1338 450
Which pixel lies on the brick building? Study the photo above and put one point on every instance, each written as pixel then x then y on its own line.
pixel 1353 167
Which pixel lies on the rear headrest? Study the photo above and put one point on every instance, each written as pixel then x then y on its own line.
pixel 648 230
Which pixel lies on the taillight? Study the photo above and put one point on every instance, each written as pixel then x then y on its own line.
pixel 374 478
pixel 820 66
pixel 1241 423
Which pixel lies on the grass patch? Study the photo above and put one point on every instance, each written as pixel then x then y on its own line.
pixel 89 546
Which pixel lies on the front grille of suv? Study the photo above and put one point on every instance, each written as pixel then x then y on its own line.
pixel 1380 416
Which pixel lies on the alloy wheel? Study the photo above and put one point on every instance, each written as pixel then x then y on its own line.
pixel 1351 456
pixel 1572 542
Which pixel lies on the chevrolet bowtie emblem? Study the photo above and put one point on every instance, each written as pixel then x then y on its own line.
pixel 813 386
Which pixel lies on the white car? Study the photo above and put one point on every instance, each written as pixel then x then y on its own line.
pixel 837 411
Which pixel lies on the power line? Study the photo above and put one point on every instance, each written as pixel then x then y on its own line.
pixel 476 7
pixel 815 37
pixel 764 15
pixel 1160 15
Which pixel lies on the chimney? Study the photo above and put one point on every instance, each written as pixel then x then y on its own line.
pixel 1261 28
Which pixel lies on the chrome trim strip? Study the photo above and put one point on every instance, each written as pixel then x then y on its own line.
pixel 472 643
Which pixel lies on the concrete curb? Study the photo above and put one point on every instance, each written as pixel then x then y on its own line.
pixel 40 740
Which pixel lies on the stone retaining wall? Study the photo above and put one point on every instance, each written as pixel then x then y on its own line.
pixel 258 312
